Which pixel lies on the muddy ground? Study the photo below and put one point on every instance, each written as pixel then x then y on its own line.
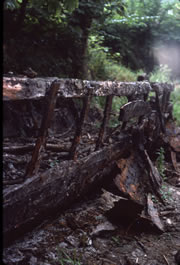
pixel 84 234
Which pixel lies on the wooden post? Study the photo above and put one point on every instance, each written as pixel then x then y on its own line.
pixel 50 102
pixel 77 137
pixel 161 118
pixel 105 121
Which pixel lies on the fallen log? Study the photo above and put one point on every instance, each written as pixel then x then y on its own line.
pixel 44 194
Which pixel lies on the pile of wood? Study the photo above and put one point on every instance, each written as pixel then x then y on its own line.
pixel 124 165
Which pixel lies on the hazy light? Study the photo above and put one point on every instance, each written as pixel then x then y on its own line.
pixel 169 55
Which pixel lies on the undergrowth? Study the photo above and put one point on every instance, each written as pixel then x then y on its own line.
pixel 65 258
pixel 161 73
pixel 160 162
pixel 175 98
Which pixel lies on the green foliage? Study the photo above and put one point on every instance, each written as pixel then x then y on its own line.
pixel 120 72
pixel 53 163
pixel 51 5
pixel 97 57
pixel 117 103
pixel 116 240
pixel 126 38
pixel 148 8
pixel 146 24
pixel 103 66
pixel 119 33
pixel 70 5
pixel 65 258
pixel 11 4
pixel 160 162
pixel 166 194
pixel 161 73
pixel 175 98
pixel 58 29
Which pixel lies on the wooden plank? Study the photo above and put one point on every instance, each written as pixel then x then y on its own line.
pixel 105 121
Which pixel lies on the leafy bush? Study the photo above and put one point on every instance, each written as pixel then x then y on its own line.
pixel 103 66
pixel 65 258
pixel 119 72
pixel 175 98
pixel 161 73
pixel 161 163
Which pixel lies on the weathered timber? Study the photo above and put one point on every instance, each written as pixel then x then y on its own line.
pixel 153 213
pixel 20 150
pixel 176 165
pixel 134 109
pixel 51 96
pixel 162 91
pixel 132 180
pixel 78 133
pixel 27 88
pixel 165 101
pixel 155 176
pixel 158 107
pixel 102 130
pixel 41 195
pixel 132 216
pixel 161 87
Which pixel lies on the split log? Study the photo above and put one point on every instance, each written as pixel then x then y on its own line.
pixel 39 197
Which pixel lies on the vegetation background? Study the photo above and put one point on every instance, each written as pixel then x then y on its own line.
pixel 94 39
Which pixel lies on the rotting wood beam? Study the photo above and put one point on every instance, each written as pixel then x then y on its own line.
pixel 51 96
pixel 20 88
pixel 105 121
